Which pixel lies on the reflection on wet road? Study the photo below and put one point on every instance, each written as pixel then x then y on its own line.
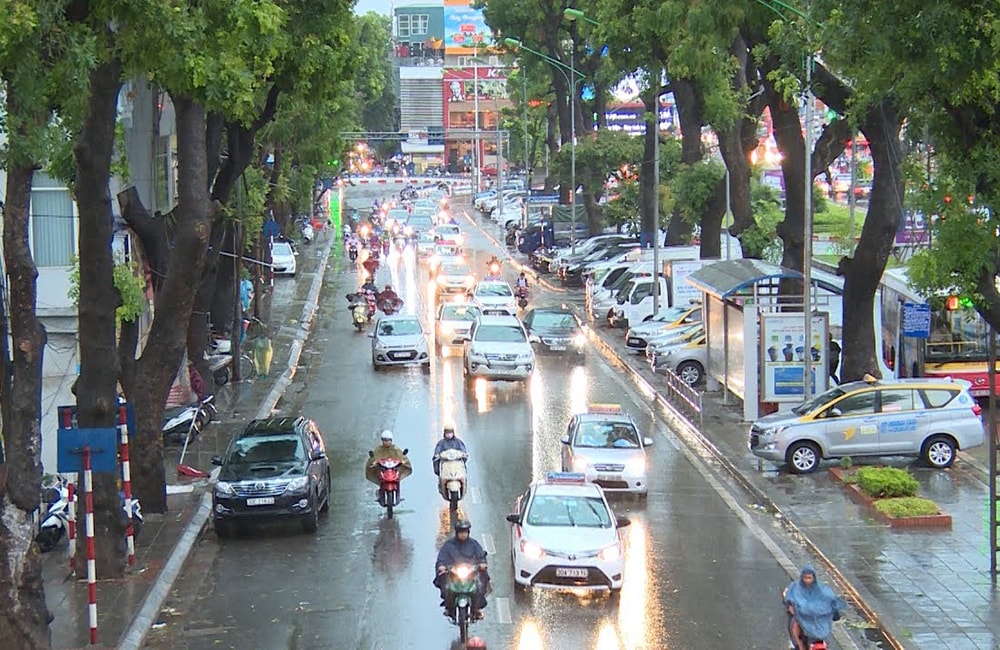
pixel 695 576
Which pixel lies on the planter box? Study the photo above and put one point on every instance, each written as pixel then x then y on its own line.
pixel 940 520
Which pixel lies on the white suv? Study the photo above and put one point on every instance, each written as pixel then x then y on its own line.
pixel 497 348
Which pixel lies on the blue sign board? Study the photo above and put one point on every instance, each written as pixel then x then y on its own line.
pixel 103 444
pixel 916 320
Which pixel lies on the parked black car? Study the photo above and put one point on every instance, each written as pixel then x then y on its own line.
pixel 556 330
pixel 276 467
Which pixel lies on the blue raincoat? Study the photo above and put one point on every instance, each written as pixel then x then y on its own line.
pixel 816 606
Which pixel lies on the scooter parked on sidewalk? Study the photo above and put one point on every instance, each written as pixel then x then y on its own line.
pixel 184 422
pixel 452 476
pixel 55 522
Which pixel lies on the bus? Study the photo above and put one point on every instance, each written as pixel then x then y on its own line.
pixel 958 342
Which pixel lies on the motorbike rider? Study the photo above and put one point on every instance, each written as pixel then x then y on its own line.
pixel 462 549
pixel 493 268
pixel 522 281
pixel 812 608
pixel 387 449
pixel 369 286
pixel 448 441
pixel 388 295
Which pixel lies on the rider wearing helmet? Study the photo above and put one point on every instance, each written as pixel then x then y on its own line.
pixel 448 441
pixel 462 549
pixel 387 449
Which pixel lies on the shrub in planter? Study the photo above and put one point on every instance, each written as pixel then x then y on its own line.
pixel 887 482
pixel 907 507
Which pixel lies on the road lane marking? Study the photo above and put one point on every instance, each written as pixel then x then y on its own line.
pixel 488 544
pixel 503 611
pixel 474 496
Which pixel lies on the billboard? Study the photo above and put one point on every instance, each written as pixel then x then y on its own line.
pixel 783 355
pixel 465 29
pixel 461 85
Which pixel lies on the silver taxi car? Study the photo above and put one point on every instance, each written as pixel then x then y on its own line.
pixel 929 418
pixel 604 445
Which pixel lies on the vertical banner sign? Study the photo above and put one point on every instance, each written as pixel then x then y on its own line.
pixel 782 355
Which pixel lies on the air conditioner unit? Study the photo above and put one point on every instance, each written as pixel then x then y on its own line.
pixel 494 60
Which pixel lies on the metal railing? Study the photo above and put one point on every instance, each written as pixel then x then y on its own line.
pixel 684 396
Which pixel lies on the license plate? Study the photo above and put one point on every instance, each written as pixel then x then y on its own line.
pixel 261 501
pixel 607 477
pixel 557 348
pixel 571 573
pixel 401 356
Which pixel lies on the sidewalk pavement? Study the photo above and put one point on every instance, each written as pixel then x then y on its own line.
pixel 925 588
pixel 127 608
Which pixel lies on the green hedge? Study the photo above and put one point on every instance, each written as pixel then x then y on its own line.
pixel 907 507
pixel 887 482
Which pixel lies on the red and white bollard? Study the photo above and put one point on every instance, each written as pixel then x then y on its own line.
pixel 71 526
pixel 126 484
pixel 88 520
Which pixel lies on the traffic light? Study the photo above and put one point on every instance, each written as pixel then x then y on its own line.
pixel 333 162
pixel 952 303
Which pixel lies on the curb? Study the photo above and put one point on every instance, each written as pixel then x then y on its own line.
pixel 135 634
pixel 695 438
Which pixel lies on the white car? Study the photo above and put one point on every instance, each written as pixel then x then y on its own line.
pixel 453 276
pixel 669 320
pixel 399 340
pixel 687 357
pixel 605 445
pixel 283 258
pixel 497 348
pixel 453 323
pixel 493 296
pixel 449 233
pixel 564 535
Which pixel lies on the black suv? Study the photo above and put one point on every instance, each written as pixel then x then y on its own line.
pixel 276 467
pixel 556 330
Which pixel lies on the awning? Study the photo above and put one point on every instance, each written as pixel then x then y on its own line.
pixel 729 277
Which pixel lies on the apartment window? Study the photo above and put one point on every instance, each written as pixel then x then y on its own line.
pixel 412 25
pixel 52 233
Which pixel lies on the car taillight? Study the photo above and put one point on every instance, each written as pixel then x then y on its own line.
pixel 977 409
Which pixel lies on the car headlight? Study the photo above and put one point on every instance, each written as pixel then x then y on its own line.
pixel 580 340
pixel 531 550
pixel 773 431
pixel 408 230
pixel 620 313
pixel 297 484
pixel 636 466
pixel 611 553
pixel 580 464
pixel 223 488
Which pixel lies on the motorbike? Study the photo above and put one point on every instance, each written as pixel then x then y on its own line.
pixel 521 293
pixel 493 271
pixel 452 476
pixel 811 642
pixel 54 525
pixel 462 587
pixel 386 243
pixel 389 476
pixel 308 233
pixel 352 252
pixel 390 307
pixel 184 422
pixel 358 306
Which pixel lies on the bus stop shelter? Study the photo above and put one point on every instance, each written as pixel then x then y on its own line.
pixel 755 337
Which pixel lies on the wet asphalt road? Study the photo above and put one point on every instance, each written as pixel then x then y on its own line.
pixel 696 575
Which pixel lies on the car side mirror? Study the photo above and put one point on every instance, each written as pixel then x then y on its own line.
pixel 648 442
pixel 406 451
pixel 534 339
pixel 370 335
pixel 217 460
pixel 371 454
pixel 622 522
pixel 317 455
pixel 514 518
pixel 564 440
pixel 464 337
pixel 834 413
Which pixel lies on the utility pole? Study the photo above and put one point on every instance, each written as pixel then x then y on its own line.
pixel 476 162
pixel 655 125
pixel 807 243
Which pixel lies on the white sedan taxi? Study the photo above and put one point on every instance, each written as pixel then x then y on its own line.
pixel 605 446
pixel 564 535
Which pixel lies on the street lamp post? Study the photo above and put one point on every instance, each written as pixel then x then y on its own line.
pixel 572 15
pixel 475 137
pixel 524 143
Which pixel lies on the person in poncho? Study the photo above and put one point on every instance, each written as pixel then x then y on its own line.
pixel 812 608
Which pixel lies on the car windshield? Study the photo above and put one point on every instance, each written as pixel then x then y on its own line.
pixel 558 510
pixel 420 222
pixel 607 435
pixel 553 319
pixel 399 328
pixel 280 248
pixel 500 334
pixel 669 315
pixel 493 290
pixel 285 448
pixel 454 269
pixel 823 398
pixel 459 312
pixel 448 230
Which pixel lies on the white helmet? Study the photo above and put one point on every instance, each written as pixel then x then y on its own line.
pixel 387 435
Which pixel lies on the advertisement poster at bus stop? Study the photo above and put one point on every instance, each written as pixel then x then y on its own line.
pixel 783 352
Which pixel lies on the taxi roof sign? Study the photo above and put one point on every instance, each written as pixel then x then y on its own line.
pixel 614 409
pixel 576 478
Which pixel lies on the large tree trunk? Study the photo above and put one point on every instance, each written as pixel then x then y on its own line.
pixel 711 223
pixel 164 350
pixel 863 272
pixel 689 112
pixel 96 389
pixel 24 617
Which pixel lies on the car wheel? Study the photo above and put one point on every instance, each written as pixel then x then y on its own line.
pixel 647 318
pixel 426 368
pixel 310 522
pixel 329 493
pixel 803 457
pixel 939 452
pixel 375 365
pixel 690 372
pixel 223 528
